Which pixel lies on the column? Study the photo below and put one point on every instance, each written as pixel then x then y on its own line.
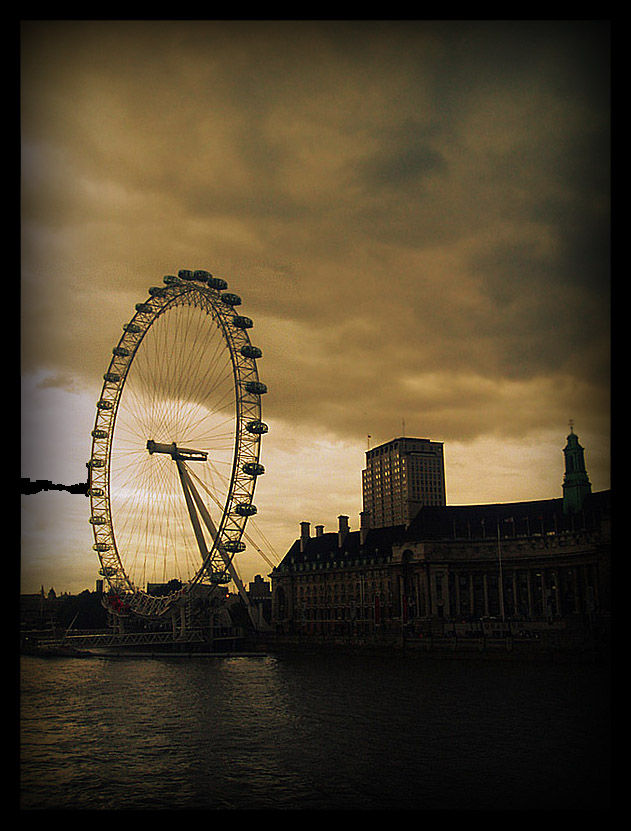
pixel 427 601
pixel 529 590
pixel 576 582
pixel 545 609
pixel 515 596
pixel 446 594
pixel 457 593
pixel 555 580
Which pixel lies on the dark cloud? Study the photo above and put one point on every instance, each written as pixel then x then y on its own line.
pixel 394 200
pixel 404 160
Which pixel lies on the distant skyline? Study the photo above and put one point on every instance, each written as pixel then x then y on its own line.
pixel 416 214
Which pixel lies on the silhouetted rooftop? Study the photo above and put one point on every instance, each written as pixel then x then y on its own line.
pixel 523 518
pixel 435 522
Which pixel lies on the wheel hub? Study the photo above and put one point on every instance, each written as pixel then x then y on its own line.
pixel 177 453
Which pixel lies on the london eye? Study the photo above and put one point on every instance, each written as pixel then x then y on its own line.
pixel 176 446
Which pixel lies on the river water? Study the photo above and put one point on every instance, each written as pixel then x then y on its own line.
pixel 312 732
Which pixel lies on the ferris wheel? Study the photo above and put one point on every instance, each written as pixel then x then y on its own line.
pixel 176 445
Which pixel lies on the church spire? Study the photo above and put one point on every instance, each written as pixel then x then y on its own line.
pixel 576 484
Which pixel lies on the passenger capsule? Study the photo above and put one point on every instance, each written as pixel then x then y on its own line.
pixel 253 469
pixel 121 352
pixel 217 283
pixel 134 328
pixel 242 322
pixel 96 492
pixel 257 427
pixel 112 377
pixel 220 577
pixel 231 299
pixel 171 279
pixel 249 351
pixel 257 387
pixel 104 405
pixel 185 274
pixel 234 546
pixel 107 571
pixel 143 307
pixel 157 291
pixel 101 546
pixel 245 509
pixel 201 276
pixel 97 463
pixel 98 520
pixel 99 434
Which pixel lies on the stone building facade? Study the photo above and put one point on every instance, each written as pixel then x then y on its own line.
pixel 514 563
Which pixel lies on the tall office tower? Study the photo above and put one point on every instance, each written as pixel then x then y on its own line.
pixel 400 477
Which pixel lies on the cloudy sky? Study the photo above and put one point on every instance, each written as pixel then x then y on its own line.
pixel 416 215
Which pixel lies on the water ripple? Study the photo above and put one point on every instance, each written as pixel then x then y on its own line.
pixel 317 733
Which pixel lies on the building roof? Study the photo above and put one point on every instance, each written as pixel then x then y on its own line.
pixel 532 517
pixel 325 547
pixel 449 522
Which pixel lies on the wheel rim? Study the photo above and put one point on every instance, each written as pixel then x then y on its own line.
pixel 183 372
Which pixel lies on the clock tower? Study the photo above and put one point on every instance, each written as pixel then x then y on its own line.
pixel 576 484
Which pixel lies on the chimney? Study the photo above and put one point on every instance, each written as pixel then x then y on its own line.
pixel 343 530
pixel 319 530
pixel 364 526
pixel 304 535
